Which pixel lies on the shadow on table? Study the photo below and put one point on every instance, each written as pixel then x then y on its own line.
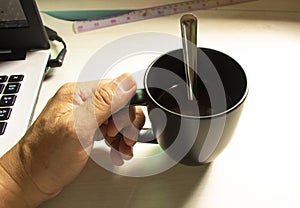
pixel 97 187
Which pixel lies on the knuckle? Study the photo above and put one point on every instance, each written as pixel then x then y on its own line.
pixel 132 113
pixel 140 118
pixel 66 90
pixel 104 96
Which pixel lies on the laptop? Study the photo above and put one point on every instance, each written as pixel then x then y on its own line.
pixel 23 59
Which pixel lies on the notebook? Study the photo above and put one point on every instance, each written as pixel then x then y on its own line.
pixel 23 59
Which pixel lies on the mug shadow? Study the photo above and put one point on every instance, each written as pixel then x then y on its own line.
pixel 96 187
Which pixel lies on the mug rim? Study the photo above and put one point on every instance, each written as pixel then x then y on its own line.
pixel 236 105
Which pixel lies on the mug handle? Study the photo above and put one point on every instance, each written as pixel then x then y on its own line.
pixel 141 97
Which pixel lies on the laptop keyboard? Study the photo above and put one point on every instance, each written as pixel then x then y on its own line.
pixel 9 87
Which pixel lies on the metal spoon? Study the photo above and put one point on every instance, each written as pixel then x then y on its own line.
pixel 188 23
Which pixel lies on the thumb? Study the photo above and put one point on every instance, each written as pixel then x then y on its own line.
pixel 112 96
pixel 109 97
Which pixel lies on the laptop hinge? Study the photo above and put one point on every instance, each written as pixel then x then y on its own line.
pixel 12 54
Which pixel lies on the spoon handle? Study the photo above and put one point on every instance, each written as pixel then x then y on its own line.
pixel 188 23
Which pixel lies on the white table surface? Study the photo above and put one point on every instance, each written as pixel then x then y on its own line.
pixel 260 167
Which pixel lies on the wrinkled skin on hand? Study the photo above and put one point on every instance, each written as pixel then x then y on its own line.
pixel 56 147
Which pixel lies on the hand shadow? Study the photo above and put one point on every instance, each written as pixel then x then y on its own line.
pixel 97 187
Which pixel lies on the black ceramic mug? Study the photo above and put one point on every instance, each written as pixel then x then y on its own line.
pixel 193 132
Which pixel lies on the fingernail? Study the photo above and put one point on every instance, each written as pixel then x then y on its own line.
pixel 126 157
pixel 126 83
pixel 116 157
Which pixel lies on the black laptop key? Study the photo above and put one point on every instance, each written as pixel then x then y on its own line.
pixel 7 100
pixel 4 113
pixel 3 78
pixel 2 127
pixel 16 78
pixel 12 88
pixel 1 87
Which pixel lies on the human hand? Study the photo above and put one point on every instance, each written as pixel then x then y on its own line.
pixel 56 147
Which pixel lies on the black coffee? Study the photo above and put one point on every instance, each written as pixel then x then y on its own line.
pixel 176 100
